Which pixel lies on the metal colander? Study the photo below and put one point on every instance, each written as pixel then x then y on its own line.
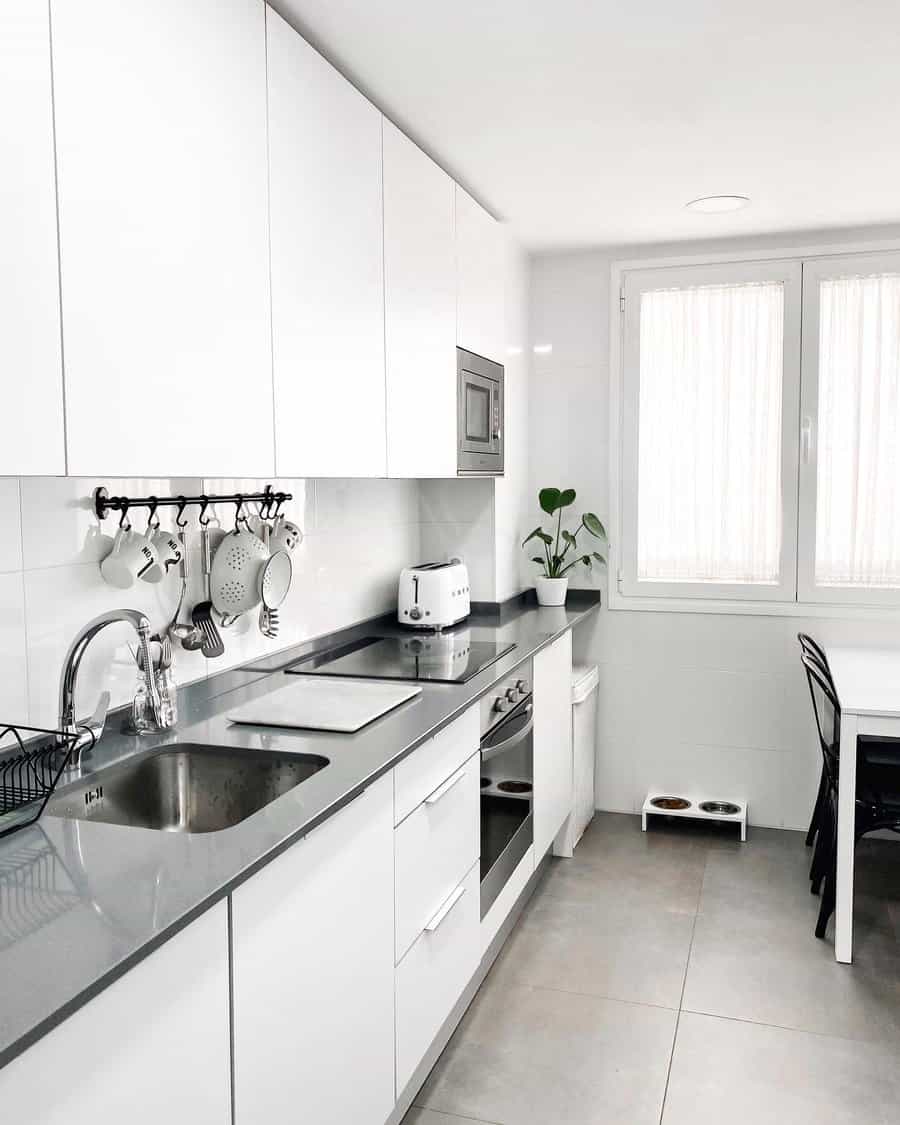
pixel 235 573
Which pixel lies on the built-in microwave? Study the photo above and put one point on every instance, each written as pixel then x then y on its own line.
pixel 480 414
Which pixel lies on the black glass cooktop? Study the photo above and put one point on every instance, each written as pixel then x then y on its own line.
pixel 444 658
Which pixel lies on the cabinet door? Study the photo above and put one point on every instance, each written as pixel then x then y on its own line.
pixel 153 1047
pixel 481 310
pixel 420 311
pixel 552 741
pixel 327 265
pixel 161 146
pixel 313 962
pixel 31 396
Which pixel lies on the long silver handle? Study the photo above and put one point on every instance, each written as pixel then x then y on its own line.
pixel 442 913
pixel 508 743
pixel 443 790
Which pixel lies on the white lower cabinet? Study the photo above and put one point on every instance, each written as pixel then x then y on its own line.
pixel 432 975
pixel 313 975
pixel 552 742
pixel 152 1047
pixel 434 848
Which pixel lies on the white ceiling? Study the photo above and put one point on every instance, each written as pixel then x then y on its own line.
pixel 586 122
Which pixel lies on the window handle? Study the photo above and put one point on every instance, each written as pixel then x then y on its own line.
pixel 806 440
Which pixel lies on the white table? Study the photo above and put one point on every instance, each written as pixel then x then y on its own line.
pixel 867 681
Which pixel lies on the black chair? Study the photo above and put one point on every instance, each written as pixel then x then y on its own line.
pixel 877 786
pixel 815 652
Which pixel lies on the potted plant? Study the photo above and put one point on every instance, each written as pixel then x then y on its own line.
pixel 552 585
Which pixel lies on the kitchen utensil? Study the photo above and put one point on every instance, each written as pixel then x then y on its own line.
pixel 285 535
pixel 274 583
pixel 169 551
pixel 131 557
pixel 202 613
pixel 235 573
pixel 324 705
pixel 189 636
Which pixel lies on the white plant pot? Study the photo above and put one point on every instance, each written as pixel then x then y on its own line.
pixel 551 591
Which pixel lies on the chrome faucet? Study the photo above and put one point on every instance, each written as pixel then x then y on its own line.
pixel 88 732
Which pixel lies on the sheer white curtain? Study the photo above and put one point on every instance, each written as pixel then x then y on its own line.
pixel 710 435
pixel 858 457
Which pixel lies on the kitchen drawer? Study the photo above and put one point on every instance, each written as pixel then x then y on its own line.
pixel 433 849
pixel 432 975
pixel 428 767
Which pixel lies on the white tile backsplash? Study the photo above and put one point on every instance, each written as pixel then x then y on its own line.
pixel 357 536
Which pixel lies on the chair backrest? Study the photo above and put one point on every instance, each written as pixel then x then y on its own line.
pixel 811 646
pixel 827 711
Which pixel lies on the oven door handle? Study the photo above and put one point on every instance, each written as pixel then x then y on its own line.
pixel 508 743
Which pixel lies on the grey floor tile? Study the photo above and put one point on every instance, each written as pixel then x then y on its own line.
pixel 527 1056
pixel 747 1074
pixel 754 957
pixel 599 947
pixel 418 1116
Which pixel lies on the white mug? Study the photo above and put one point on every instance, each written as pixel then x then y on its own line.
pixel 285 536
pixel 131 557
pixel 168 554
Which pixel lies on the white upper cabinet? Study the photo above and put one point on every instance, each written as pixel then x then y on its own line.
pixel 327 265
pixel 480 268
pixel 313 974
pixel 31 401
pixel 420 311
pixel 161 156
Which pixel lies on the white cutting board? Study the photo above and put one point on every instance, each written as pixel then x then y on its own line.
pixel 325 704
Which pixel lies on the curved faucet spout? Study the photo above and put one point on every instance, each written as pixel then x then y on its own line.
pixel 89 732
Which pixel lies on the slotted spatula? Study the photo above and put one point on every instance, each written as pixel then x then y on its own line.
pixel 202 612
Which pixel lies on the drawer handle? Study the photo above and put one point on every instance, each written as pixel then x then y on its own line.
pixel 431 926
pixel 443 790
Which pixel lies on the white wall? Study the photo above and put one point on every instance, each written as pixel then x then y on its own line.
pixel 704 702
pixel 358 534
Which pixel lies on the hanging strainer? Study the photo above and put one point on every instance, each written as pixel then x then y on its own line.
pixel 236 568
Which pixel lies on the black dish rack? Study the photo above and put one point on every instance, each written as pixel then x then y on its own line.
pixel 32 760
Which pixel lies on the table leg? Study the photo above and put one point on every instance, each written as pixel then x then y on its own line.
pixel 846 829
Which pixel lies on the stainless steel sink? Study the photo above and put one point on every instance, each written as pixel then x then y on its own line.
pixel 184 787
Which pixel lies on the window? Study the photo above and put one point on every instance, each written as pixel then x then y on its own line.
pixel 750 471
pixel 710 438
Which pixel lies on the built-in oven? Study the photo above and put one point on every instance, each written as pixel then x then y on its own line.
pixel 507 775
pixel 480 414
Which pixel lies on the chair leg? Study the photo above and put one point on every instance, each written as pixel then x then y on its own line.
pixel 828 873
pixel 817 809
pixel 827 907
pixel 822 852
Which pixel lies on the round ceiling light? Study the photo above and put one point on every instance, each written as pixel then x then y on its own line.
pixel 718 204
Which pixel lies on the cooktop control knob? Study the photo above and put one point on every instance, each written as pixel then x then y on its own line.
pixel 415 613
pixel 522 687
pixel 511 694
pixel 500 704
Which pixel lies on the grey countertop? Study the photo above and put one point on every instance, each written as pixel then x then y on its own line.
pixel 81 902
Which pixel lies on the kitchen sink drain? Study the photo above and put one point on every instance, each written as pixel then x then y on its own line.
pixel 514 786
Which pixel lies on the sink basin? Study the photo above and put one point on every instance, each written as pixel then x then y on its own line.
pixel 185 787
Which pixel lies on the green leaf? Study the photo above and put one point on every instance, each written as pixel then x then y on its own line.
pixel 600 559
pixel 548 498
pixel 567 497
pixel 586 559
pixel 594 526
pixel 537 534
pixel 537 559
pixel 569 538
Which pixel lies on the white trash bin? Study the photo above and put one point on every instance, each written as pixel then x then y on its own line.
pixel 585 681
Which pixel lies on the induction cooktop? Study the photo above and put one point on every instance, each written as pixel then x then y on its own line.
pixel 443 658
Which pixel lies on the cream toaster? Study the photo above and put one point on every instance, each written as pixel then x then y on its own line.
pixel 433 595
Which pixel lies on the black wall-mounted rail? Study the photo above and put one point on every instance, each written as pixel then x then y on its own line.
pixel 269 500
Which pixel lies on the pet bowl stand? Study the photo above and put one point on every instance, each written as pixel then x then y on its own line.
pixel 694 812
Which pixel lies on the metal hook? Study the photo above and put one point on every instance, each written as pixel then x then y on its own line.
pixel 239 507
pixel 153 518
pixel 179 522
pixel 124 522
pixel 203 519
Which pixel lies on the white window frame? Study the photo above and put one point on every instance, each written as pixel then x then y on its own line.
pixel 815 271
pixel 787 273
pixel 804 599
